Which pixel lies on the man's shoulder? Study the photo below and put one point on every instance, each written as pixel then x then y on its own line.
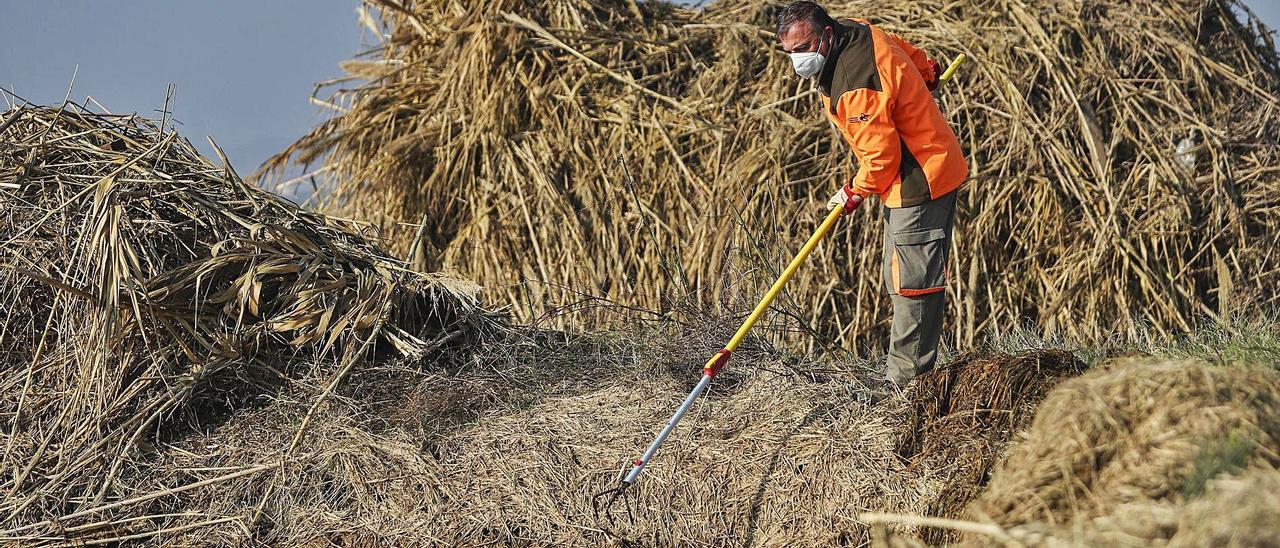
pixel 856 66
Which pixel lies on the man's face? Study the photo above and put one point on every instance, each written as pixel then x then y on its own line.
pixel 802 37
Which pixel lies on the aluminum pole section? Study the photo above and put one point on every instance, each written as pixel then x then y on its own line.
pixel 638 465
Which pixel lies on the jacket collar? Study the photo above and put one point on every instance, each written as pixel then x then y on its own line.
pixel 843 32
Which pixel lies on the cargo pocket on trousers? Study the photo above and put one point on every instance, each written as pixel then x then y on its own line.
pixel 919 262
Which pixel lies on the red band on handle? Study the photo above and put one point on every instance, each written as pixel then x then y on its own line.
pixel 716 363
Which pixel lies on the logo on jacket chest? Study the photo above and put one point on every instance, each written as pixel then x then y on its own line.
pixel 861 118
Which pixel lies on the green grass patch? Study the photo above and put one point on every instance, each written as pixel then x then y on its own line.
pixel 1221 456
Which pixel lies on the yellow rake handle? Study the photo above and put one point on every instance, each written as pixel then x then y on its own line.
pixel 763 305
pixel 951 69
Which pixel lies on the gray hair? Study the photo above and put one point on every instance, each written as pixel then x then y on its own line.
pixel 803 10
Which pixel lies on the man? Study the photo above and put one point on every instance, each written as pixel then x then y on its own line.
pixel 877 89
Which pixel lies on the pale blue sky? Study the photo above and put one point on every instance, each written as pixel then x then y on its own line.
pixel 243 68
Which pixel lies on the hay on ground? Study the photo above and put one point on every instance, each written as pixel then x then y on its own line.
pixel 505 448
pixel 1143 452
pixel 152 293
pixel 777 458
pixel 963 414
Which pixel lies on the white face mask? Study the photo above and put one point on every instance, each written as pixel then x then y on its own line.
pixel 808 64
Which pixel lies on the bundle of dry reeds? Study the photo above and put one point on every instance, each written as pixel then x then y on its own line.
pixel 1123 157
pixel 1137 432
pixel 151 293
pixel 962 414
pixel 1140 453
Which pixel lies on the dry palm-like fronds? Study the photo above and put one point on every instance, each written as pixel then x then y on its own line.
pixel 150 291
pixel 552 148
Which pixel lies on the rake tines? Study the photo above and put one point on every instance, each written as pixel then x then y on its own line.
pixel 611 497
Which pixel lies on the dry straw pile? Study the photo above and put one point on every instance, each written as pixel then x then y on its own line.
pixel 1141 452
pixel 780 456
pixel 190 360
pixel 964 413
pixel 1123 153
pixel 1136 453
pixel 193 360
pixel 150 292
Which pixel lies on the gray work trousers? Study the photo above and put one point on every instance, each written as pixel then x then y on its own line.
pixel 917 242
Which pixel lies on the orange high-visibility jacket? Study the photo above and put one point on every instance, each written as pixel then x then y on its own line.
pixel 875 91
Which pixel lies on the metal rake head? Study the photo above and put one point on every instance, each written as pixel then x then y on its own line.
pixel 611 497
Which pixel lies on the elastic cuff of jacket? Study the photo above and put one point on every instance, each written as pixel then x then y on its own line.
pixel 850 189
